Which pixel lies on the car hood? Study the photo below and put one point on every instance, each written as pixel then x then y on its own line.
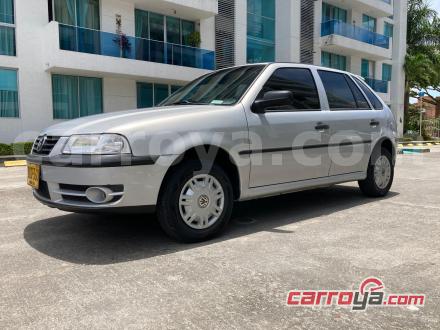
pixel 131 121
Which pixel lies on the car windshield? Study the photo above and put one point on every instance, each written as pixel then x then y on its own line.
pixel 224 87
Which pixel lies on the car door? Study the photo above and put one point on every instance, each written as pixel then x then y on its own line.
pixel 353 123
pixel 289 143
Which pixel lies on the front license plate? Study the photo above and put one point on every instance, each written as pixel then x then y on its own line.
pixel 33 178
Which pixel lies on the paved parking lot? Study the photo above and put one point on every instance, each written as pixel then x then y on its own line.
pixel 81 271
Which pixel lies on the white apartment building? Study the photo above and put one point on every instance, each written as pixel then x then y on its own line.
pixel 62 59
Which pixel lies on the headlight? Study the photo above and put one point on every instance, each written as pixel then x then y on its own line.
pixel 99 144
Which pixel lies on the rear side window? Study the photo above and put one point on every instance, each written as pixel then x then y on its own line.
pixel 361 101
pixel 338 91
pixel 300 82
pixel 373 98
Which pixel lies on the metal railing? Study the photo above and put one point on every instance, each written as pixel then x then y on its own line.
pixel 354 32
pixel 432 127
pixel 78 39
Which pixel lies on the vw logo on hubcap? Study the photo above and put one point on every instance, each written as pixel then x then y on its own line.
pixel 203 201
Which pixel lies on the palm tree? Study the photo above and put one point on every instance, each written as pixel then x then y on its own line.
pixel 423 47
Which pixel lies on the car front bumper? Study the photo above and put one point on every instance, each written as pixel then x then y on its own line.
pixel 135 186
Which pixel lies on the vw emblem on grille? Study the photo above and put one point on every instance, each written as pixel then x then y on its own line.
pixel 41 143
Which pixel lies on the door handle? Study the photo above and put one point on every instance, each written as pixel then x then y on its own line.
pixel 321 127
pixel 374 123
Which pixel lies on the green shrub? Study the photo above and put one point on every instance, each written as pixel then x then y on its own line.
pixel 22 148
pixel 5 149
pixel 18 148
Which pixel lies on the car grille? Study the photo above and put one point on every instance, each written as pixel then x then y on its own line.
pixel 44 144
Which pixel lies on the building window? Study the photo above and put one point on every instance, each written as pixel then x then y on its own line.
pixel 163 28
pixel 150 94
pixel 8 93
pixel 334 61
pixel 368 68
pixel 82 13
pixel 388 29
pixel 369 23
pixel 330 13
pixel 386 72
pixel 7 28
pixel 75 97
pixel 260 31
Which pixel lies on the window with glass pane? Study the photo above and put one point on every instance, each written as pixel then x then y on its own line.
pixel 156 27
pixel 369 23
pixel 7 11
pixel 260 31
pixel 338 92
pixel 173 30
pixel 83 13
pixel 160 93
pixel 188 28
pixel 330 13
pixel 8 93
pixel 367 68
pixel 75 97
pixel 141 24
pixel 386 72
pixel 7 41
pixel 300 82
pixel 334 61
pixel 90 96
pixel 388 29
pixel 144 95
pixel 7 30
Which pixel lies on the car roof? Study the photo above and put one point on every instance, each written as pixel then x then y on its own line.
pixel 296 64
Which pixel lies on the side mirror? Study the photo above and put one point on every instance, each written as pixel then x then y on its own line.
pixel 272 99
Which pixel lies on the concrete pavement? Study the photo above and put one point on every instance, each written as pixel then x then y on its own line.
pixel 61 270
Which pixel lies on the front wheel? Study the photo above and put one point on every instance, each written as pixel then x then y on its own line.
pixel 196 202
pixel 380 174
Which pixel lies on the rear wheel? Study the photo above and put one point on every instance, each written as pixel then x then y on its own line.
pixel 380 174
pixel 196 202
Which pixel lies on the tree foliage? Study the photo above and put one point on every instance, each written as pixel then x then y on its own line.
pixel 422 65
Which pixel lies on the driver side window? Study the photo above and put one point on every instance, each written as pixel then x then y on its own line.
pixel 300 82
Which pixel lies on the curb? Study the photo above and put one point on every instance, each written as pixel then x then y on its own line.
pixel 13 160
pixel 418 143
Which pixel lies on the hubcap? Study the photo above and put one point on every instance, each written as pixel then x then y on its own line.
pixel 201 201
pixel 382 172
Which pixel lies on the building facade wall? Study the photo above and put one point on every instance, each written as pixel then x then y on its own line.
pixel 39 57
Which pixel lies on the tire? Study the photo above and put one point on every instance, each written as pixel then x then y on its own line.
pixel 373 186
pixel 176 191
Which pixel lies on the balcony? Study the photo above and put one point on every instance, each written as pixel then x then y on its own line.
pixel 347 39
pixel 354 32
pixel 96 42
pixel 379 86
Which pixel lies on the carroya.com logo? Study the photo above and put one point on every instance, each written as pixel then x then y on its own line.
pixel 371 294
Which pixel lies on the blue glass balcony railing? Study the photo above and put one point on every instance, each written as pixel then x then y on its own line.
pixel 90 41
pixel 380 86
pixel 354 32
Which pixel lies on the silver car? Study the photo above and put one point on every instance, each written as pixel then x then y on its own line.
pixel 232 135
